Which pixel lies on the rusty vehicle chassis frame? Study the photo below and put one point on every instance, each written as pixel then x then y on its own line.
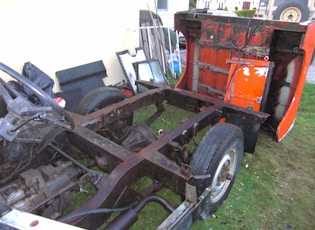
pixel 152 161
pixel 224 57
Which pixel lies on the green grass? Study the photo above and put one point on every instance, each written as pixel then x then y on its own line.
pixel 275 186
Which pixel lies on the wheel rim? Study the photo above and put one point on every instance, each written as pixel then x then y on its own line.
pixel 224 174
pixel 291 14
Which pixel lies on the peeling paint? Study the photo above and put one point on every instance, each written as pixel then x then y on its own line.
pixel 246 71
pixel 261 71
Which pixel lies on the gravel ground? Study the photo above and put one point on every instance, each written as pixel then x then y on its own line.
pixel 311 74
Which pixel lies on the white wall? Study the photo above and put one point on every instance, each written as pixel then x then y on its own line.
pixel 173 7
pixel 59 34
pixel 167 15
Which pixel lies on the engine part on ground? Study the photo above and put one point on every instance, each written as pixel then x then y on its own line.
pixel 45 185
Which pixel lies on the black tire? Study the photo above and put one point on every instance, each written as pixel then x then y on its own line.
pixel 98 99
pixel 294 11
pixel 219 154
pixel 101 98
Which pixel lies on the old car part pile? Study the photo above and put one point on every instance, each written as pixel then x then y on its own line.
pixel 242 75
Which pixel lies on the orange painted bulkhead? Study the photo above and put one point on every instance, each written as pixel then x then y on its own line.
pixel 222 51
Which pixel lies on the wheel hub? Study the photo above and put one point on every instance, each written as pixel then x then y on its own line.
pixel 291 14
pixel 223 174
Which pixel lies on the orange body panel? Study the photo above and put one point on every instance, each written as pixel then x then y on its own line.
pixel 284 48
pixel 246 83
pixel 288 119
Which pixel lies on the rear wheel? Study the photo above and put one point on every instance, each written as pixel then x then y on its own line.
pixel 293 11
pixel 101 98
pixel 219 154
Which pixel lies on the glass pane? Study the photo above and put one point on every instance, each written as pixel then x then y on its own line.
pixel 157 71
pixel 162 4
pixel 144 71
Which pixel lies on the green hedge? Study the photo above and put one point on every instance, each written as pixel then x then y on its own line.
pixel 245 13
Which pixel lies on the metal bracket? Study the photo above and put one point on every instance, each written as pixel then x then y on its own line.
pixel 191 194
pixel 5 128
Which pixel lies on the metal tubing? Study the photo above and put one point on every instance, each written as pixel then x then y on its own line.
pixel 85 169
pixel 127 219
